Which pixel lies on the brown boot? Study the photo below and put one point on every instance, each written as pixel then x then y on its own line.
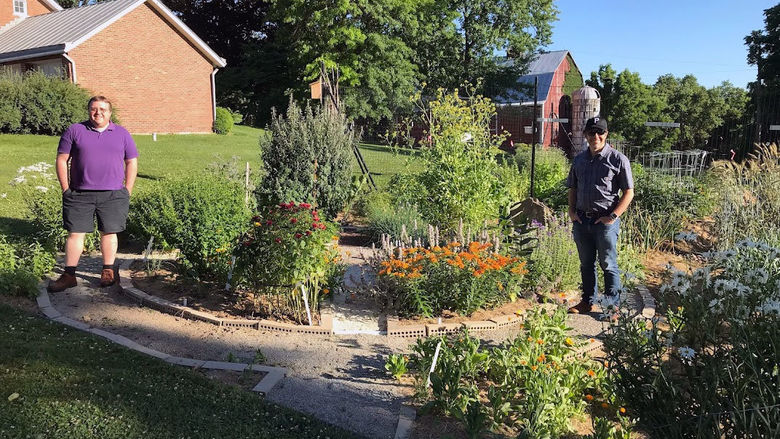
pixel 64 282
pixel 108 277
pixel 584 307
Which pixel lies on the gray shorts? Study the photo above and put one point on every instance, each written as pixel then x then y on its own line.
pixel 79 209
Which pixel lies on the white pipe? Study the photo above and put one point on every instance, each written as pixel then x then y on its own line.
pixel 72 67
pixel 213 96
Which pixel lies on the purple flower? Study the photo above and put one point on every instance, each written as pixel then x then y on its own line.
pixel 535 223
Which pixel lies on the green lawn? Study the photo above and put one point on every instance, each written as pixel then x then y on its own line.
pixel 75 385
pixel 169 155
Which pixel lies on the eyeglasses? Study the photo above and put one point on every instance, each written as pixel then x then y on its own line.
pixel 594 132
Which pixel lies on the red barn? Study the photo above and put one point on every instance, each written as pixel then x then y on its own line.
pixel 558 77
pixel 156 71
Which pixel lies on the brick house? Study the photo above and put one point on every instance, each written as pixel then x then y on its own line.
pixel 558 76
pixel 156 71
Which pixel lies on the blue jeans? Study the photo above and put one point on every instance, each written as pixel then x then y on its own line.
pixel 597 240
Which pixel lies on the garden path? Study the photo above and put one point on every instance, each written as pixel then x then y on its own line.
pixel 339 379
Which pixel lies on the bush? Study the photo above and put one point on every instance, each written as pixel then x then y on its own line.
pixel 384 217
pixel 551 170
pixel 43 198
pixel 33 103
pixel 422 282
pixel 554 262
pixel 461 177
pixel 202 216
pixel 22 267
pixel 533 384
pixel 308 158
pixel 223 124
pixel 287 245
pixel 710 370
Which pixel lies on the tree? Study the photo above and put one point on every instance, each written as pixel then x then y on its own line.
pixel 634 104
pixel 604 82
pixel 764 53
pixel 697 110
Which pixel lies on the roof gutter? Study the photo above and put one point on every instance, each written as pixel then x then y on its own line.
pixel 72 68
pixel 57 49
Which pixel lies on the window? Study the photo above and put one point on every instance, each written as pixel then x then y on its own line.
pixel 20 7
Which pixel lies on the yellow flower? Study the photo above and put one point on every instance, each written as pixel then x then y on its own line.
pixel 257 224
pixel 569 341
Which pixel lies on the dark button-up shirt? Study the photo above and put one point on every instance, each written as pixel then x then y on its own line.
pixel 599 178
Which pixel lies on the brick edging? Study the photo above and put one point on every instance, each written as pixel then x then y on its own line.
pixel 126 285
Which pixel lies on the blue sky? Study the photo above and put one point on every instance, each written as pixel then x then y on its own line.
pixel 702 38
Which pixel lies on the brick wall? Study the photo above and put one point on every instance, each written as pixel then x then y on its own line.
pixel 34 7
pixel 158 81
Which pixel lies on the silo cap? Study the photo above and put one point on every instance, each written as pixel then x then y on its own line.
pixel 596 122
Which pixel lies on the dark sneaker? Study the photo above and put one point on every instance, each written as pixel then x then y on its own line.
pixel 584 307
pixel 107 277
pixel 64 282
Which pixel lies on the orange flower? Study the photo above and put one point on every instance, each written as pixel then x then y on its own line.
pixel 325 291
pixel 592 340
pixel 541 358
pixel 589 397
pixel 622 410
pixel 591 373
pixel 534 367
pixel 539 341
pixel 604 405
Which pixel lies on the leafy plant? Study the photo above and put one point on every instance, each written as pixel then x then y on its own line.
pixel 308 158
pixel 554 264
pixel 223 123
pixel 290 251
pixel 22 266
pixel 397 364
pixel 551 169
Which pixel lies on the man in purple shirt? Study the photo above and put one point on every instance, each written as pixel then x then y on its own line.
pixel 103 166
pixel 601 187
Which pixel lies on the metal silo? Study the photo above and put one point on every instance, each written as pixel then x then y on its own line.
pixel 585 103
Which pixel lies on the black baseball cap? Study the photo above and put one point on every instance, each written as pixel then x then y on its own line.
pixel 597 122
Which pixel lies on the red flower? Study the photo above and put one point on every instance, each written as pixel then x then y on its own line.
pixel 308 233
pixel 278 240
pixel 305 205
pixel 315 226
pixel 298 236
pixel 293 220
pixel 268 222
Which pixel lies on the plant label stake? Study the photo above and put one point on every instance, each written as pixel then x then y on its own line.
pixel 230 273
pixel 246 185
pixel 148 250
pixel 433 364
pixel 305 302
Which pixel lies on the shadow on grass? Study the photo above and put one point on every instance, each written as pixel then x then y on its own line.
pixel 16 229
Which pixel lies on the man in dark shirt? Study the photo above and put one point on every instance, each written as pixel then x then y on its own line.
pixel 103 167
pixel 596 178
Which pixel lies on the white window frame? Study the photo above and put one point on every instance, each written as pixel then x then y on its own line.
pixel 23 4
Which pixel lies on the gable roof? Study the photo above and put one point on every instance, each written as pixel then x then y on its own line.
pixel 542 66
pixel 61 31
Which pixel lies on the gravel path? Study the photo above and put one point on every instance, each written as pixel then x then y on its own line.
pixel 339 379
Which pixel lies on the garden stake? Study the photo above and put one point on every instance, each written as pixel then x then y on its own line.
pixel 148 250
pixel 246 185
pixel 433 364
pixel 305 302
pixel 230 273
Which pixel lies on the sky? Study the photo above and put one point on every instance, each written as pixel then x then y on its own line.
pixel 702 38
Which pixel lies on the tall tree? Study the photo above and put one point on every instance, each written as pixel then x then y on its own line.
pixel 764 53
pixel 634 104
pixel 604 82
pixel 698 111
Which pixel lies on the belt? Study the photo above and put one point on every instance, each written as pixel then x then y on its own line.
pixel 594 214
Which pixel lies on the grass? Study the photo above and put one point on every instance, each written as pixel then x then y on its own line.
pixel 169 155
pixel 75 385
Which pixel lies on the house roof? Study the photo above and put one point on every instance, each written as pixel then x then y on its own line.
pixel 542 66
pixel 61 31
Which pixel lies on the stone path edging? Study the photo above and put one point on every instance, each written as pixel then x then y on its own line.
pixel 272 374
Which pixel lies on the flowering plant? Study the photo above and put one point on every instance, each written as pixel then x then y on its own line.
pixel 714 361
pixel 286 247
pixel 421 281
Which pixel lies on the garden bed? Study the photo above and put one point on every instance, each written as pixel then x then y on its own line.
pixel 166 283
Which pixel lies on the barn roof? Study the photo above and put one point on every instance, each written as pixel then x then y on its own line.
pixel 542 66
pixel 61 31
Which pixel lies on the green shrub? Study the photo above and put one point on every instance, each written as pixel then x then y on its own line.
pixel 43 198
pixel 308 158
pixel 33 103
pixel 223 124
pixel 288 245
pixel 384 217
pixel 551 170
pixel 554 263
pixel 461 177
pixel 710 369
pixel 201 215
pixel 22 266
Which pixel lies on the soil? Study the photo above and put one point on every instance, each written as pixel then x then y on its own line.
pixel 166 283
pixel 453 317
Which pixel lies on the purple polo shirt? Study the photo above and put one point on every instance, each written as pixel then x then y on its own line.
pixel 97 159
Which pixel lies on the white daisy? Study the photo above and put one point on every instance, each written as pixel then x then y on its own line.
pixel 686 354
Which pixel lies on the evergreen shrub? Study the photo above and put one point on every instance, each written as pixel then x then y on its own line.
pixel 223 124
